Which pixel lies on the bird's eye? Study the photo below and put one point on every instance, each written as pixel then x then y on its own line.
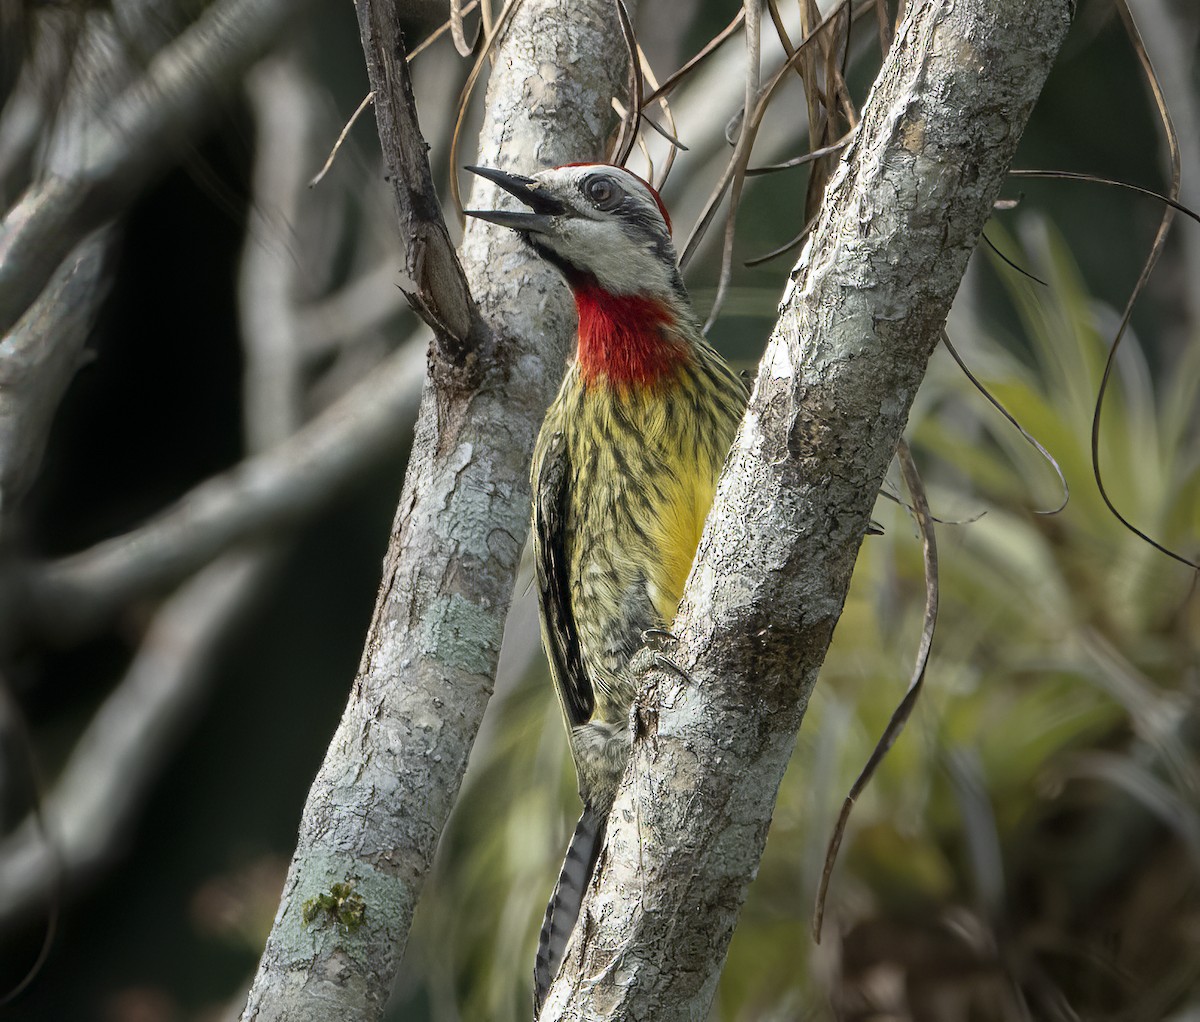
pixel 602 192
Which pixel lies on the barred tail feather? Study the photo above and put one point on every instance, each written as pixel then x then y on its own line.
pixel 563 910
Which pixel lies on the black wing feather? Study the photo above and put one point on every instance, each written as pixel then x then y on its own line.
pixel 561 638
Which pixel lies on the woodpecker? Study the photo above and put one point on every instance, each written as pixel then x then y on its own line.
pixel 624 472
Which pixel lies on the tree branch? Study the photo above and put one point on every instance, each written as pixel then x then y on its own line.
pixel 79 593
pixel 269 282
pixel 862 313
pixel 134 138
pixel 441 297
pixel 92 807
pixel 383 794
pixel 138 727
pixel 39 358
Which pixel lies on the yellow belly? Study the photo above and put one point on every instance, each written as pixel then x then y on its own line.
pixel 644 467
pixel 674 531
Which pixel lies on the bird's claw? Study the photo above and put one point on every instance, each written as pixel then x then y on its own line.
pixel 649 658
pixel 659 638
pixel 661 660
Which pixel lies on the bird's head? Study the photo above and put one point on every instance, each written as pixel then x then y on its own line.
pixel 600 225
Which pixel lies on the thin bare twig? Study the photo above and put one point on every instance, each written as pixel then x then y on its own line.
pixel 1160 239
pixel 456 29
pixel 709 48
pixel 665 134
pixel 886 493
pixel 337 145
pixel 441 30
pixel 627 139
pixel 464 99
pixel 742 152
pixel 1169 30
pixel 747 139
pixel 924 520
pixel 783 249
pixel 440 296
pixel 670 136
pixel 780 29
pixel 1097 179
pixel 1029 437
pixel 1012 264
pixel 800 161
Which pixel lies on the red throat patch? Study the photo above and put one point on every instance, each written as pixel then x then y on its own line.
pixel 621 338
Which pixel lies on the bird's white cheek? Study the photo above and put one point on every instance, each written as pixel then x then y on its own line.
pixel 620 265
pixel 633 272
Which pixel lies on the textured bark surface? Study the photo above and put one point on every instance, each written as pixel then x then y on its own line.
pixel 439 289
pixel 378 805
pixel 858 322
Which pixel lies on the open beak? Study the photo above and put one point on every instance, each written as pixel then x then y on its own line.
pixel 544 207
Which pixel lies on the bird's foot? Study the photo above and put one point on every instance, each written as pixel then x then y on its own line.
pixel 660 639
pixel 654 654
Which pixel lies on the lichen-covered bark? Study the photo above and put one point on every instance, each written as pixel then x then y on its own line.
pixel 857 324
pixel 383 794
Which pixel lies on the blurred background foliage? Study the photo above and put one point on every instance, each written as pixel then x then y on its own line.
pixel 1031 846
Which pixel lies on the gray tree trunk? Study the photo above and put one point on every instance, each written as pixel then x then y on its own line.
pixel 863 311
pixel 379 803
